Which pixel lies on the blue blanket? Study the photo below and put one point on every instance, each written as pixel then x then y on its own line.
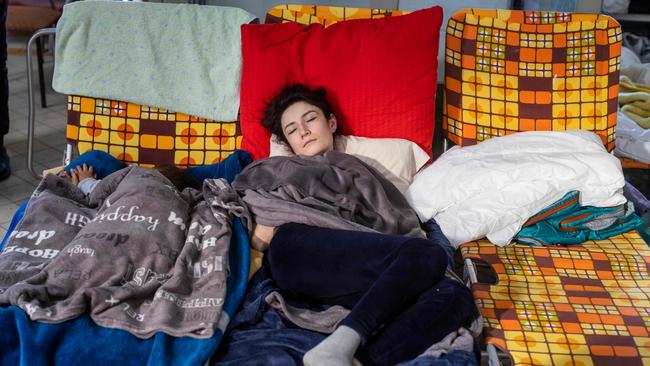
pixel 82 342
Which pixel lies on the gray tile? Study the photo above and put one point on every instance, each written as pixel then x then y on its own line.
pixel 19 162
pixel 25 175
pixel 4 201
pixel 12 181
pixel 49 134
pixel 20 193
pixel 47 155
pixel 7 212
pixel 15 135
pixel 57 122
pixel 12 153
pixel 21 146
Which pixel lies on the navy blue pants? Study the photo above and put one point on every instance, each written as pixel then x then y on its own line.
pixel 400 301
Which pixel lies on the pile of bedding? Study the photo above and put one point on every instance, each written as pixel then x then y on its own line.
pixel 491 189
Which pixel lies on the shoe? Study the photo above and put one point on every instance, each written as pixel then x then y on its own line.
pixel 5 169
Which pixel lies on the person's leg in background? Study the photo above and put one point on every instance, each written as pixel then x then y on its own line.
pixel 5 170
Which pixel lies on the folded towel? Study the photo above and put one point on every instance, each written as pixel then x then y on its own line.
pixel 180 57
pixel 634 99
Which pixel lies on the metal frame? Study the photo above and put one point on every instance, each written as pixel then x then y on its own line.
pixel 35 38
pixel 491 351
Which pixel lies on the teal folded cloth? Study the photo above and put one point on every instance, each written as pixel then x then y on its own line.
pixel 644 229
pixel 567 222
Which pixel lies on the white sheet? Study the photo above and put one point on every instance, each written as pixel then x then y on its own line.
pixel 632 141
pixel 491 189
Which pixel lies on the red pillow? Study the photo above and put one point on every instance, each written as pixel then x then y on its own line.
pixel 380 74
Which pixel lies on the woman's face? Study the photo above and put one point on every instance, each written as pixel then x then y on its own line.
pixel 308 131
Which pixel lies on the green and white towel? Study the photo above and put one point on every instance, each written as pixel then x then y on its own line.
pixel 180 57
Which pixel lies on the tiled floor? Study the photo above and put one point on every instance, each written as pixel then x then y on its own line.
pixel 49 132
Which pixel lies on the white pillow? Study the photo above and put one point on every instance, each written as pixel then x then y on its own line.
pixel 396 159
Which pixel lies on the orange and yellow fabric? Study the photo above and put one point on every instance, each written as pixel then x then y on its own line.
pixel 508 71
pixel 148 136
pixel 325 15
pixel 578 305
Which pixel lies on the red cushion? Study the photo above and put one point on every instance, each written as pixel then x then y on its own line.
pixel 380 74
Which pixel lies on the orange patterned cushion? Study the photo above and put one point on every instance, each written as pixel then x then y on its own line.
pixel 508 71
pixel 148 136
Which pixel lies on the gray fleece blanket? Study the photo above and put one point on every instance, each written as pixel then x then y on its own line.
pixel 333 190
pixel 136 253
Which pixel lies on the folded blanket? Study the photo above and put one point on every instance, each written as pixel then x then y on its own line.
pixel 634 99
pixel 334 190
pixel 180 57
pixel 137 254
pixel 566 222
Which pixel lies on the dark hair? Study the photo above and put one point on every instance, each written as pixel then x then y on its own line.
pixel 180 178
pixel 291 94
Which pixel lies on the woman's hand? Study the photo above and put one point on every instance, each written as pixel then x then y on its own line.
pixel 261 237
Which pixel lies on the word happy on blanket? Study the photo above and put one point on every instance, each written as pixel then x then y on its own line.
pixel 127 216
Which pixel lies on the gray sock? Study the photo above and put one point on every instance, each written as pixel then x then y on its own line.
pixel 336 350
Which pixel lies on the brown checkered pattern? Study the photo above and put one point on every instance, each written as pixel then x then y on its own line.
pixel 508 71
pixel 148 136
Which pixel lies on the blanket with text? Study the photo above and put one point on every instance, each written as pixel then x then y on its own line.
pixel 136 254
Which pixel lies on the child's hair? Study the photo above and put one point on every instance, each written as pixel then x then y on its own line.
pixel 291 94
pixel 180 178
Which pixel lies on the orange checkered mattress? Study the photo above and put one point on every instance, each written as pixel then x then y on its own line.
pixel 148 136
pixel 579 305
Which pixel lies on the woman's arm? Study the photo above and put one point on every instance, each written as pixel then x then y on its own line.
pixel 261 237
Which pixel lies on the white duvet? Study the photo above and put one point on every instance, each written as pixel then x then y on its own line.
pixel 491 189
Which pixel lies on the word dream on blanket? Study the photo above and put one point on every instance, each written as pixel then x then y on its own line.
pixel 136 253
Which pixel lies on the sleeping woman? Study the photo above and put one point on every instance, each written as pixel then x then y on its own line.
pixel 362 250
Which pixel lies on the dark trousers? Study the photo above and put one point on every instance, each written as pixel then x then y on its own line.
pixel 4 79
pixel 394 285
